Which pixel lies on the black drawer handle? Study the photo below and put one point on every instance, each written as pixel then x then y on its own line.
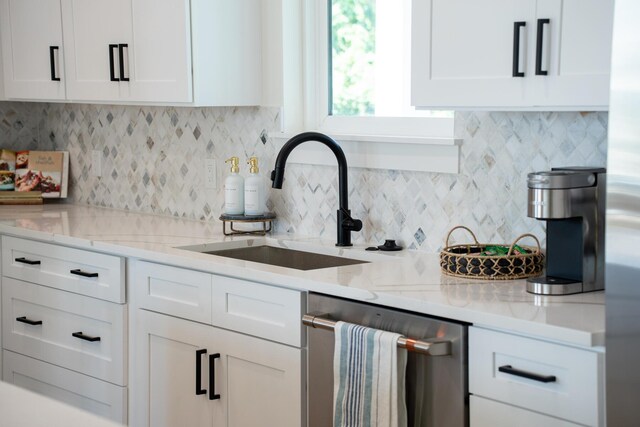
pixel 23 260
pixel 52 60
pixel 516 48
pixel 539 40
pixel 507 369
pixel 199 389
pixel 112 65
pixel 212 376
pixel 24 319
pixel 85 337
pixel 79 272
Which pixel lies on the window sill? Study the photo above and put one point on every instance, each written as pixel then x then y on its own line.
pixel 440 155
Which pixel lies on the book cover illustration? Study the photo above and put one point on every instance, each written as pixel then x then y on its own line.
pixel 7 170
pixel 45 171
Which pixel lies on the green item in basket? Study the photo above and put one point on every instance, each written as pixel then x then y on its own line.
pixel 499 250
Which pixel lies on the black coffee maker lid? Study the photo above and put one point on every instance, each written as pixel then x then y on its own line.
pixel 564 177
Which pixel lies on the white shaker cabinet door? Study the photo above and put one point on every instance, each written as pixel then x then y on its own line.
pixel 167 356
pixel 98 48
pixel 463 52
pixel 2 95
pixel 31 32
pixel 260 382
pixel 187 373
pixel 575 52
pixel 161 61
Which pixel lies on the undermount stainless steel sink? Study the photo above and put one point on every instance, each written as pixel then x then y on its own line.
pixel 289 258
pixel 264 253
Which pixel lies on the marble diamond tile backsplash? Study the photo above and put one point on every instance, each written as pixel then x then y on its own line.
pixel 153 161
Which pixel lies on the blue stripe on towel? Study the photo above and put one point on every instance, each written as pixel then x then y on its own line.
pixel 358 390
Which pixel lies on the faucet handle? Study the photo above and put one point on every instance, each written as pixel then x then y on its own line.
pixel 352 224
pixel 349 223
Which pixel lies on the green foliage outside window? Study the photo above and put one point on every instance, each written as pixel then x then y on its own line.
pixel 353 53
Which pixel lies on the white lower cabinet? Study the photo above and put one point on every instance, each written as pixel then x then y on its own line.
pixel 485 412
pixel 541 382
pixel 64 325
pixel 211 350
pixel 84 392
pixel 188 373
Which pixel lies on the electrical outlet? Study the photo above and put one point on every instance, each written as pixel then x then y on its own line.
pixel 96 163
pixel 210 174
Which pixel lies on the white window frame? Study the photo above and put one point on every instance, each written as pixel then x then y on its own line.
pixel 424 144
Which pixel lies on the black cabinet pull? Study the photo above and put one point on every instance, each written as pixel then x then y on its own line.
pixel 507 369
pixel 112 65
pixel 23 260
pixel 79 272
pixel 199 389
pixel 121 48
pixel 516 48
pixel 24 319
pixel 212 376
pixel 539 41
pixel 52 60
pixel 85 337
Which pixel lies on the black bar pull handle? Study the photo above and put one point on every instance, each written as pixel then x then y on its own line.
pixel 199 389
pixel 85 337
pixel 52 61
pixel 212 376
pixel 24 260
pixel 79 272
pixel 508 369
pixel 112 65
pixel 121 49
pixel 24 319
pixel 516 48
pixel 539 47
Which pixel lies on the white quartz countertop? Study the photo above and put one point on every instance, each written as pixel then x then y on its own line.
pixel 409 280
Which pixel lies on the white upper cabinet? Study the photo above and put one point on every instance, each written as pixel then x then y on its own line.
pixel 207 53
pixel 2 96
pixel 511 54
pixel 161 61
pixel 98 37
pixel 181 52
pixel 31 32
pixel 576 52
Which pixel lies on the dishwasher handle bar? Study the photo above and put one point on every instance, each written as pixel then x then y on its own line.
pixel 431 348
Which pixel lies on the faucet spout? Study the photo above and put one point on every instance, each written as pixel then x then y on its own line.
pixel 346 224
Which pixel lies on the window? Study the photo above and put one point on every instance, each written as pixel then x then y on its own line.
pixel 361 55
pixel 356 87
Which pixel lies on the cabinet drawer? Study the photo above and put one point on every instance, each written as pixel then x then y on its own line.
pixel 41 322
pixel 265 311
pixel 72 388
pixel 83 272
pixel 172 290
pixel 575 387
pixel 489 413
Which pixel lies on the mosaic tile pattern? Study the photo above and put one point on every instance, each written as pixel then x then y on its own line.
pixel 21 124
pixel 153 161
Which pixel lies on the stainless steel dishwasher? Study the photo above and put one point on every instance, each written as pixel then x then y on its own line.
pixel 436 383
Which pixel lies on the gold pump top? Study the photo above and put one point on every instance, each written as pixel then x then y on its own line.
pixel 235 164
pixel 253 165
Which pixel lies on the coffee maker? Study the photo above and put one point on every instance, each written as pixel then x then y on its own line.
pixel 572 202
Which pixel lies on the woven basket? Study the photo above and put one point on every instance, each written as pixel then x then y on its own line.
pixel 466 261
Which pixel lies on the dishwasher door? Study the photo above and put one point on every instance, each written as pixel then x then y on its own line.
pixel 436 386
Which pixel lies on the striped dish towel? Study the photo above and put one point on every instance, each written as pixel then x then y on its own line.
pixel 369 371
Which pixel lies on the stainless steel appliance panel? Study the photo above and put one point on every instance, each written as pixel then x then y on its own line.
pixel 436 386
pixel 623 222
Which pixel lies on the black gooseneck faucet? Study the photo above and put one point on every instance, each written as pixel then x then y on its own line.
pixel 346 224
